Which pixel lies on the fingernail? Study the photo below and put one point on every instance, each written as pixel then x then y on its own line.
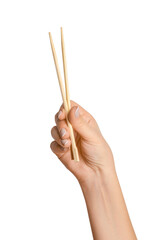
pixel 64 141
pixel 77 112
pixel 62 132
pixel 59 114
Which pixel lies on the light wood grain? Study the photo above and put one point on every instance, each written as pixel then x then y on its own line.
pixel 65 95
pixel 58 73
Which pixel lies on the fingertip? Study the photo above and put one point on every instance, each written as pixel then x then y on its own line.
pixel 52 131
pixel 73 113
pixel 52 145
pixel 56 148
pixel 61 114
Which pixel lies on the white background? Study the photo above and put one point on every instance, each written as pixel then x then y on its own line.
pixel 113 55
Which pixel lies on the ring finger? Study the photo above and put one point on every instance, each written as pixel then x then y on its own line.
pixel 63 142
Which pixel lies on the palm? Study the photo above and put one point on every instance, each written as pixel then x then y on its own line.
pixel 88 157
pixel 90 143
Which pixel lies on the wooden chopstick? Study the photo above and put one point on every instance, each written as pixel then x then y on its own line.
pixel 74 148
pixel 65 69
pixel 66 99
pixel 58 73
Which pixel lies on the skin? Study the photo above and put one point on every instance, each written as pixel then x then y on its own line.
pixel 95 172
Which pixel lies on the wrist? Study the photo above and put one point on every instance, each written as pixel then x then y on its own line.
pixel 99 178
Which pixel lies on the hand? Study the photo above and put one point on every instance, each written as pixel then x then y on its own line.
pixel 94 153
pixel 95 172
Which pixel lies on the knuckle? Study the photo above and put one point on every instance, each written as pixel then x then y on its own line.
pixel 62 106
pixel 56 117
pixel 71 101
pixel 52 146
pixel 53 130
pixel 61 124
pixel 90 121
pixel 81 123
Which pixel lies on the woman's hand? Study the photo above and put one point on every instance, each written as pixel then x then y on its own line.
pixel 95 172
pixel 94 153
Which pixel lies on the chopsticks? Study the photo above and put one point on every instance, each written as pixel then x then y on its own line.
pixel 64 93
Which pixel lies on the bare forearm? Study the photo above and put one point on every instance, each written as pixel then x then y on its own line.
pixel 95 172
pixel 106 208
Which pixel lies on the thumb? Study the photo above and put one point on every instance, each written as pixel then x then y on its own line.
pixel 81 122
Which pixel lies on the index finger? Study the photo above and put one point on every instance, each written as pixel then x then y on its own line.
pixel 61 115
